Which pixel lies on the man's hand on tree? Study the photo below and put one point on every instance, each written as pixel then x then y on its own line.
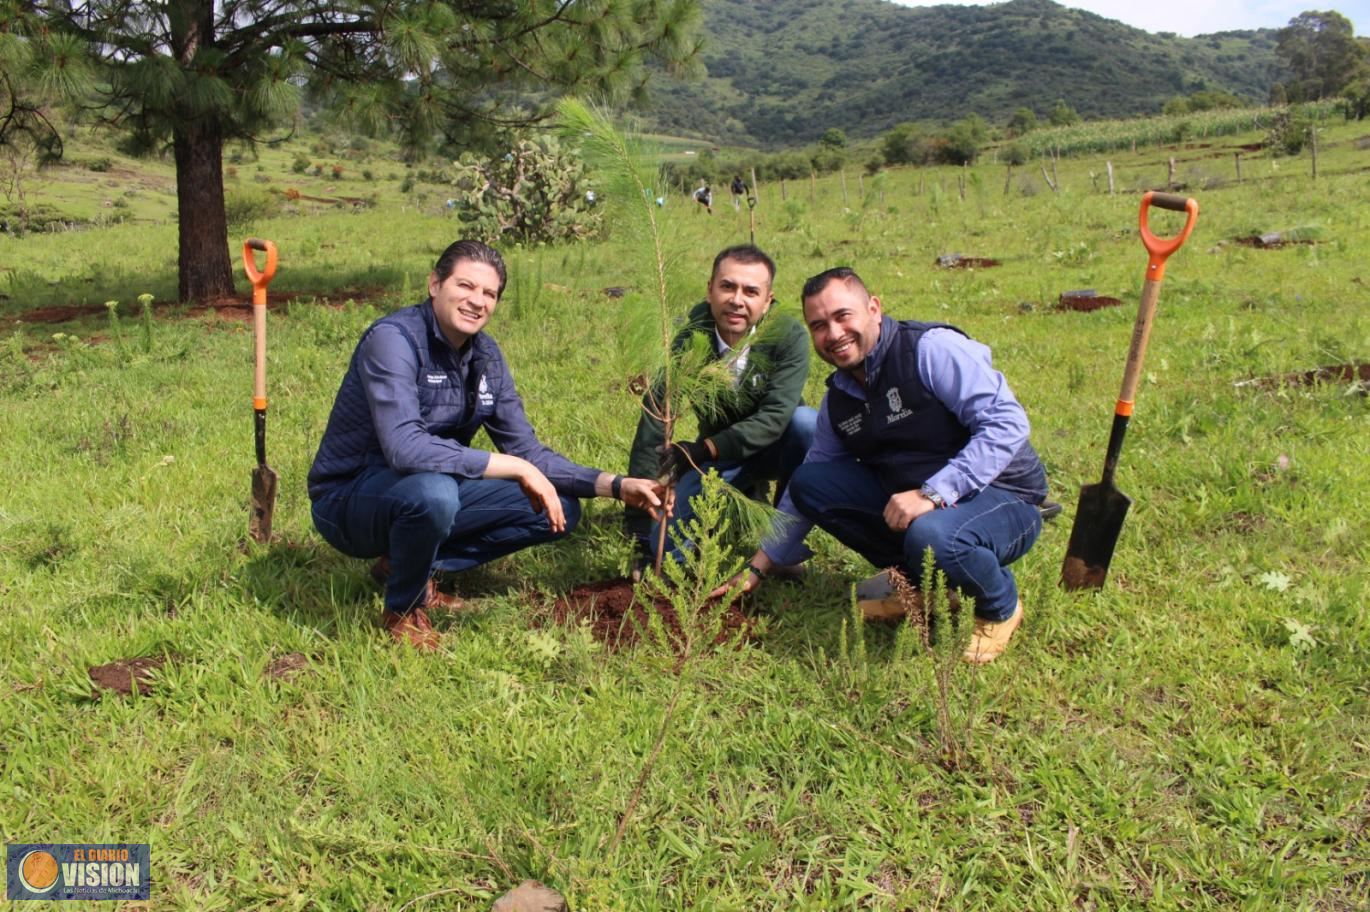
pixel 682 456
pixel 645 494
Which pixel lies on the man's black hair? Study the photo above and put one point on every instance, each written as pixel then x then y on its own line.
pixel 845 274
pixel 476 252
pixel 746 254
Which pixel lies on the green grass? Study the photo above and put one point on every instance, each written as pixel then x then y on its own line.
pixel 1167 743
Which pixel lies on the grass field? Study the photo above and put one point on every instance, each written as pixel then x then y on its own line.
pixel 1193 736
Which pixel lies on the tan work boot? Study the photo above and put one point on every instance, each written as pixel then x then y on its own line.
pixel 991 637
pixel 876 600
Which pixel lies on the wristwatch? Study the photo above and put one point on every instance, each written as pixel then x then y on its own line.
pixel 931 494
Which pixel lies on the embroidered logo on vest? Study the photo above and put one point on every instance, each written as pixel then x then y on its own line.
pixel 483 392
pixel 437 379
pixel 851 425
pixel 896 402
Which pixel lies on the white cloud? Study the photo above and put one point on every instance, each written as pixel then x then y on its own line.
pixel 1200 17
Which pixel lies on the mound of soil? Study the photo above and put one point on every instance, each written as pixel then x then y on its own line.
pixel 617 619
pixel 1351 372
pixel 1272 241
pixel 956 261
pixel 123 675
pixel 1086 303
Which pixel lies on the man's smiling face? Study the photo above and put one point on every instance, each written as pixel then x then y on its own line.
pixel 844 322
pixel 464 301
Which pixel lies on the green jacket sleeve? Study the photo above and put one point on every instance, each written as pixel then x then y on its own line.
pixel 783 368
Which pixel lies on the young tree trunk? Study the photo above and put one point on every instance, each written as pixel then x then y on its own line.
pixel 203 264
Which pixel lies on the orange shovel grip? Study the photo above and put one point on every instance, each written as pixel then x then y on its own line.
pixel 1160 249
pixel 263 278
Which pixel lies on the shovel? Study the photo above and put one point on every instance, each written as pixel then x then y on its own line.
pixel 263 477
pixel 1099 516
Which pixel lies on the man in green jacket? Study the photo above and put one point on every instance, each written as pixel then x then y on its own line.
pixel 758 435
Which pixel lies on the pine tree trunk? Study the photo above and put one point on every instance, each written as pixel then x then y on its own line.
pixel 203 264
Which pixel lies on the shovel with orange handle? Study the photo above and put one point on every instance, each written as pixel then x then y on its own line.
pixel 263 477
pixel 1102 509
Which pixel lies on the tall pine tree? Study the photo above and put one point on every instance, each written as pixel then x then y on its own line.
pixel 195 74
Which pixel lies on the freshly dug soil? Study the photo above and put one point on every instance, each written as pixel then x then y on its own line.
pixel 1351 372
pixel 1086 303
pixel 1264 242
pixel 123 675
pixel 956 261
pixel 617 619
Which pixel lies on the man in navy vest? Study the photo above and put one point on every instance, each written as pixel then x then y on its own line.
pixel 396 476
pixel 920 443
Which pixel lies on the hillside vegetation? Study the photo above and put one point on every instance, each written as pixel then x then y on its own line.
pixel 781 72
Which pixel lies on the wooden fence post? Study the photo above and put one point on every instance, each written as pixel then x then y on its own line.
pixel 813 186
pixel 783 195
pixel 1008 178
pixel 1313 138
pixel 1237 159
pixel 843 173
pixel 1170 176
pixel 1109 165
pixel 756 188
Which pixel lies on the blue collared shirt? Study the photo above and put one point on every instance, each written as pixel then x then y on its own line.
pixel 412 402
pixel 959 372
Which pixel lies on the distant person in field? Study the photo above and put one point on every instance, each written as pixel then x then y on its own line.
pixel 705 197
pixel 396 476
pixel 920 443
pixel 758 436
pixel 739 190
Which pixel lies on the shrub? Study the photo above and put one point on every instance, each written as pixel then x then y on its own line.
pixel 99 164
pixel 300 165
pixel 245 206
pixel 534 193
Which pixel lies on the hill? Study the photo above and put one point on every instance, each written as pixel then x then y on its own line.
pixel 782 71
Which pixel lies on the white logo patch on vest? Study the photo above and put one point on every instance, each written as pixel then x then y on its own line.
pixel 483 392
pixel 850 425
pixel 437 379
pixel 896 402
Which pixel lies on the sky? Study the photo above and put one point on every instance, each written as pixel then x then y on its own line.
pixel 1200 17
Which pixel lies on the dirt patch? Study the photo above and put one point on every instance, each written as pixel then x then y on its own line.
pixel 1085 302
pixel 1273 241
pixel 1354 372
pixel 956 261
pixel 229 307
pixel 60 314
pixel 617 618
pixel 283 668
pixel 123 675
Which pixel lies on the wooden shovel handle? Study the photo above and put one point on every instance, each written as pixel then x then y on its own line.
pixel 1158 251
pixel 259 279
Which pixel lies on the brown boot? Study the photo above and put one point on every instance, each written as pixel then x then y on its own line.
pixel 413 628
pixel 433 598
pixel 991 637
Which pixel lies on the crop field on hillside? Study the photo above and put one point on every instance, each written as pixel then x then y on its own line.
pixel 1192 736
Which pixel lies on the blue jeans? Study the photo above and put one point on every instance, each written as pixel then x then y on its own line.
pixel 429 521
pixel 776 462
pixel 972 543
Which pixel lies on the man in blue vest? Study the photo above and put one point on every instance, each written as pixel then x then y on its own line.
pixel 396 476
pixel 920 443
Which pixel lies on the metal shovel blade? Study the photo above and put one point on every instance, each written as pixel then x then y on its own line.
pixel 263 503
pixel 1098 523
